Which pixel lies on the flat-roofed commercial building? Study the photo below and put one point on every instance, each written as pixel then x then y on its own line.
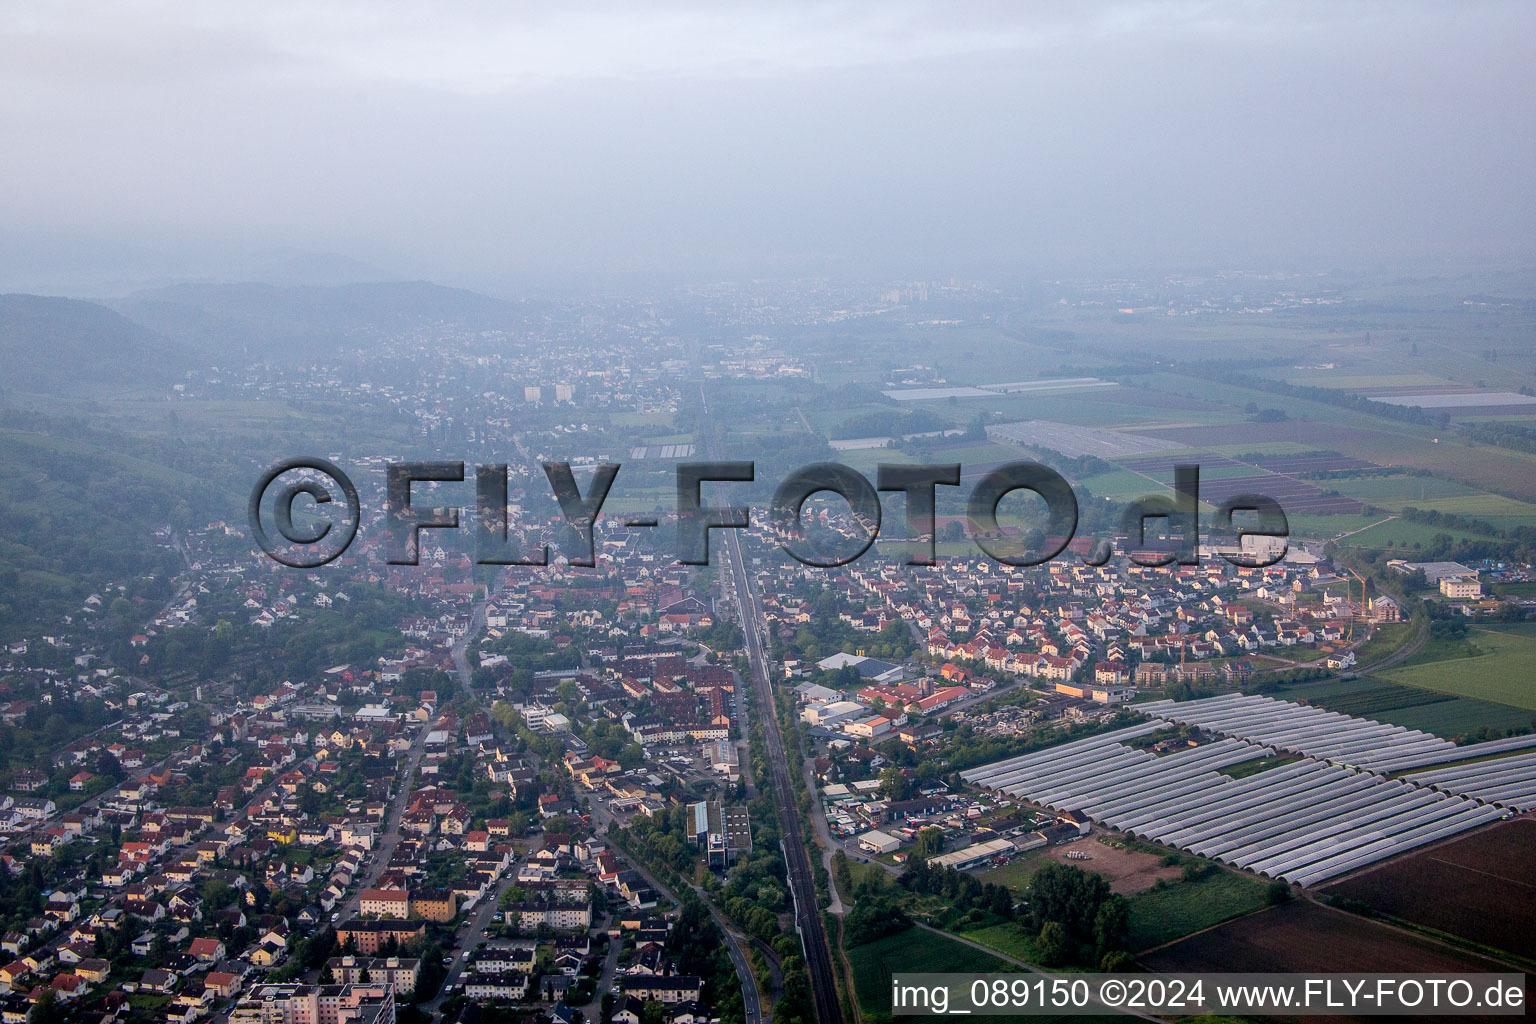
pixel 722 833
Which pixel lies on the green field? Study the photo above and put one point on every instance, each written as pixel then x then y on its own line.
pixel 1402 534
pixel 1216 473
pixel 1411 707
pixel 917 950
pixel 1500 673
pixel 975 453
pixel 1084 408
pixel 1157 915
pixel 1398 490
pixel 1435 494
pixel 1386 638
pixel 1329 379
pixel 1261 448
pixel 636 420
pixel 1122 484
pixel 1526 629
pixel 1008 939
pixel 911 951
pixel 1017 872
pixel 1495 508
pixel 1243 769
pixel 956 449
pixel 1160 916
pixel 1328 527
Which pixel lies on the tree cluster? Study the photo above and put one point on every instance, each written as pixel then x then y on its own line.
pixel 1074 917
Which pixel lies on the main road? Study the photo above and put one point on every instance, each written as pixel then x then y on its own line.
pixel 802 885
pixel 735 942
pixel 378 858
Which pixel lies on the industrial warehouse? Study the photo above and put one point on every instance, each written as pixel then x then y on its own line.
pixel 1329 811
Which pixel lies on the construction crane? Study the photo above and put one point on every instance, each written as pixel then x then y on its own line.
pixel 1351 634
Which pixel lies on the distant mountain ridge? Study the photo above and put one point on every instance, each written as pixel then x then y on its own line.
pixel 49 345
pixel 261 321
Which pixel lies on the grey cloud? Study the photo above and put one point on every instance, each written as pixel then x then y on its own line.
pixel 472 142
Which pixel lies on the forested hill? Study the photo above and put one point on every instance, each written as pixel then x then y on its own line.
pixel 52 345
pixel 267 322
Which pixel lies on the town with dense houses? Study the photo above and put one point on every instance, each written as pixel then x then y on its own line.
pixel 443 822
pixel 524 788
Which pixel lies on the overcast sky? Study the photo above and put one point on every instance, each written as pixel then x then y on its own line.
pixel 481 142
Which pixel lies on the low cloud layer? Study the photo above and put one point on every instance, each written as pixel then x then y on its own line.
pixel 480 143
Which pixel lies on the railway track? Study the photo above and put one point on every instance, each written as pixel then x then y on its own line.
pixel 802 884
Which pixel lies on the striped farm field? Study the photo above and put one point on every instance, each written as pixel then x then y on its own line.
pixel 1411 707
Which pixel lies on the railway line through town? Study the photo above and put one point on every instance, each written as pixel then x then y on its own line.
pixel 797 862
